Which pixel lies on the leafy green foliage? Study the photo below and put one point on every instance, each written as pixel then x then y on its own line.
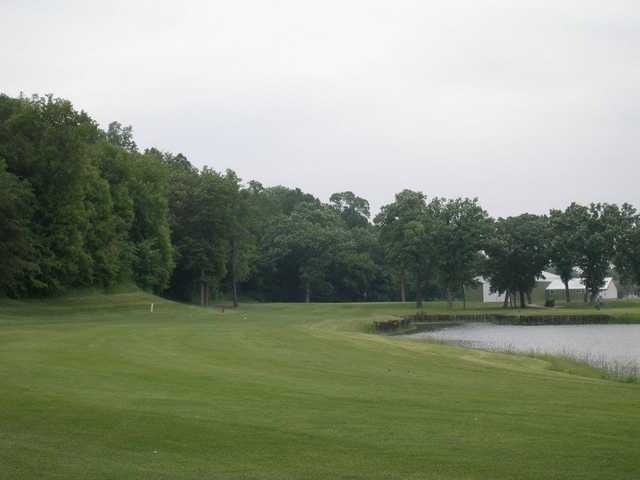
pixel 462 229
pixel 354 210
pixel 517 254
pixel 121 136
pixel 83 207
pixel 627 253
pixel 50 144
pixel 361 273
pixel 241 232
pixel 98 212
pixel 598 226
pixel 310 240
pixel 407 232
pixel 16 242
pixel 563 243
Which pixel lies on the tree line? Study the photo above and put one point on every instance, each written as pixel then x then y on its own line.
pixel 84 207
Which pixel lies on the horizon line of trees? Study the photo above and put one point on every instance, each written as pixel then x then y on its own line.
pixel 83 207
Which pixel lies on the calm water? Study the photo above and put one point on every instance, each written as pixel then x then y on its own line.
pixel 615 346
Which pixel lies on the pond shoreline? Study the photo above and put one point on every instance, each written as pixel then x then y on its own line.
pixel 406 322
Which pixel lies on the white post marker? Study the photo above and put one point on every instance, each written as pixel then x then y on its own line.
pixel 151 309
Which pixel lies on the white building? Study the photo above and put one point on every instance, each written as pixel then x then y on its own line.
pixel 494 297
pixel 608 291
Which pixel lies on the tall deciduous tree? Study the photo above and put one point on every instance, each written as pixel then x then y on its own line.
pixel 153 255
pixel 18 265
pixel 241 233
pixel 627 254
pixel 595 246
pixel 563 244
pixel 45 141
pixel 354 210
pixel 121 136
pixel 406 231
pixel 99 208
pixel 200 205
pixel 275 277
pixel 116 167
pixel 309 240
pixel 517 254
pixel 359 272
pixel 461 230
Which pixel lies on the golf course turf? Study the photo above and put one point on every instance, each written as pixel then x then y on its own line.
pixel 97 386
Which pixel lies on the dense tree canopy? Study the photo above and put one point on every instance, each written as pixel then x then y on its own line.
pixel 354 210
pixel 462 230
pixel 517 254
pixel 627 252
pixel 563 244
pixel 19 263
pixel 83 207
pixel 596 234
pixel 407 232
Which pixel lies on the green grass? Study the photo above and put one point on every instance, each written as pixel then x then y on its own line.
pixel 98 387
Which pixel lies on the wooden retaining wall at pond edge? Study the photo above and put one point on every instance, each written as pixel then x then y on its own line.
pixel 407 321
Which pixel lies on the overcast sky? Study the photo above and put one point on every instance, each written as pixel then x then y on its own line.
pixel 527 105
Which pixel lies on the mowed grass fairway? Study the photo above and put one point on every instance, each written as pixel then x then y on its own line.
pixel 98 387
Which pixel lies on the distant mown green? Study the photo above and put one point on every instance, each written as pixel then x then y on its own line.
pixel 97 387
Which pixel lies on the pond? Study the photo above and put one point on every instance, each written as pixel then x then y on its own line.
pixel 614 347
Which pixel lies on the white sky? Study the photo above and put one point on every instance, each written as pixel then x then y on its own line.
pixel 526 104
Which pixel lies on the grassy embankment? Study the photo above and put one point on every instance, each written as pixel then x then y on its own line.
pixel 98 387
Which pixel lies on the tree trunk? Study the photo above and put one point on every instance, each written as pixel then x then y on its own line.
pixel 403 287
pixel 234 272
pixel 464 298
pixel 450 298
pixel 419 297
pixel 567 295
pixel 307 295
pixel 507 294
pixel 529 302
pixel 523 304
pixel 586 295
pixel 203 297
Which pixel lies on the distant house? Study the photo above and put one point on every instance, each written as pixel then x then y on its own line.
pixel 577 288
pixel 538 294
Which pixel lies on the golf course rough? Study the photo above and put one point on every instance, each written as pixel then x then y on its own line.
pixel 100 387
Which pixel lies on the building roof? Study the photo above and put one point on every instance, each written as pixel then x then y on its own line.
pixel 575 284
pixel 545 277
pixel 548 277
